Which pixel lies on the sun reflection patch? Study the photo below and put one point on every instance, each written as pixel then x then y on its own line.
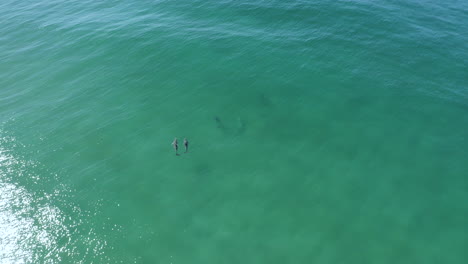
pixel 32 228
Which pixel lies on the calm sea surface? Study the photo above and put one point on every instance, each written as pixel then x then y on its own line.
pixel 320 131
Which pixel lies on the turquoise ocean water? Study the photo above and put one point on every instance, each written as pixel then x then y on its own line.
pixel 321 131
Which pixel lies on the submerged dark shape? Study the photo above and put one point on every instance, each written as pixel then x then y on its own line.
pixel 241 126
pixel 203 169
pixel 265 100
pixel 220 124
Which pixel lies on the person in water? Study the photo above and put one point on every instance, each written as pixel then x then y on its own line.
pixel 186 143
pixel 176 146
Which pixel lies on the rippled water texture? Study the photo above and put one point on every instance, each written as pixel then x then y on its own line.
pixel 320 131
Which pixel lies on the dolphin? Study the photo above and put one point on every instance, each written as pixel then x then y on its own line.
pixel 186 143
pixel 176 146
